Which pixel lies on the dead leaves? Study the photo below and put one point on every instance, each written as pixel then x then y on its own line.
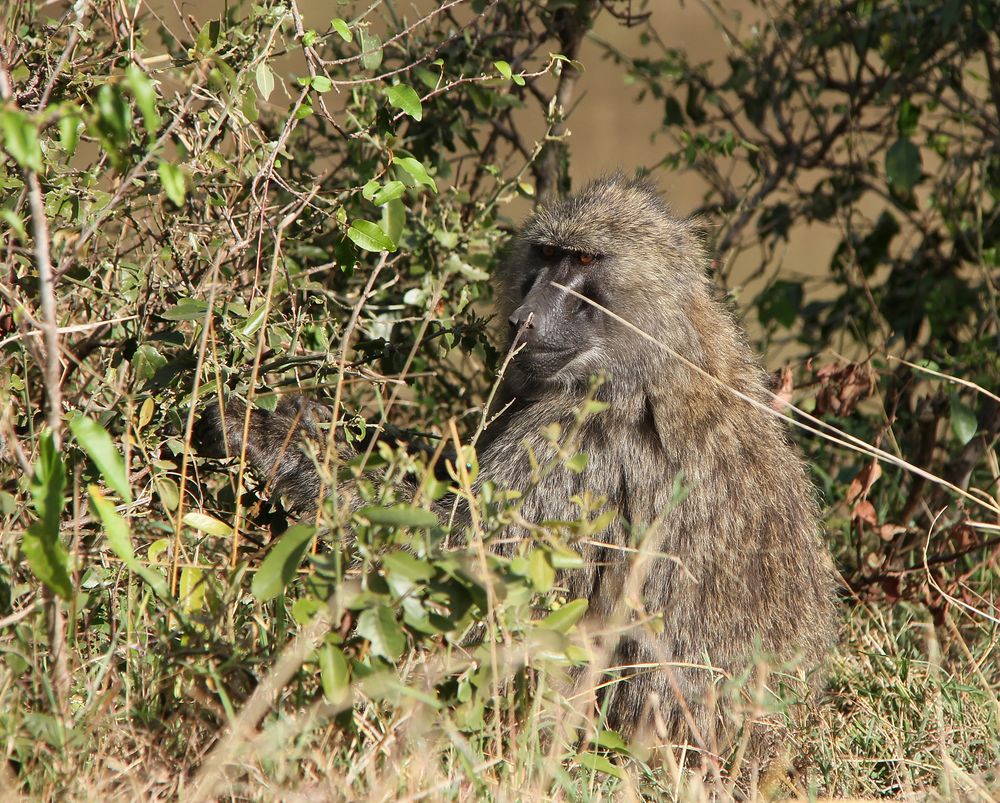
pixel 864 511
pixel 842 388
pixel 857 492
pixel 861 484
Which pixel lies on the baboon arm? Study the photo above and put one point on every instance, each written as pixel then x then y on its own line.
pixel 276 444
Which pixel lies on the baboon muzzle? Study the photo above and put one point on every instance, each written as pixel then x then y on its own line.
pixel 546 320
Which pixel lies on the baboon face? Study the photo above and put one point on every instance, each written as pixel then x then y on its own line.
pixel 554 328
pixel 582 264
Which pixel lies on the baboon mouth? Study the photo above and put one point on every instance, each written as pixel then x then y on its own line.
pixel 539 352
pixel 540 363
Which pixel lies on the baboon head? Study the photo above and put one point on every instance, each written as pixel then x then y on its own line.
pixel 616 244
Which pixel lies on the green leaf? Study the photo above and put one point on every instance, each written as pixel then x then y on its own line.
pixel 156 549
pixel 565 558
pixel 610 740
pixel 265 80
pixel 963 420
pixel 393 219
pixel 69 132
pixel 13 220
pixel 577 462
pixel 390 192
pixel 48 559
pixel 186 309
pixel 902 165
pixel 97 443
pixel 114 113
pixel 147 361
pixel 399 516
pixel 172 179
pixel 335 674
pixel 416 171
pixel 145 96
pixel 504 69
pixel 342 29
pixel 254 320
pixel 191 589
pixel 207 524
pixel 406 99
pixel 321 83
pixel 305 608
pixel 379 626
pixel 208 36
pixel 47 483
pixel 371 49
pixel 20 139
pixel 592 407
pixel 562 619
pixel 249 105
pixel 907 118
pixel 780 302
pixel 117 531
pixel 369 236
pixel 540 570
pixel 597 763
pixel 408 565
pixel 282 562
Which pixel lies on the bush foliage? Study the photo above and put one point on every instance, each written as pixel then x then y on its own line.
pixel 247 205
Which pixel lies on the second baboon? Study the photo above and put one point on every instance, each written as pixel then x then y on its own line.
pixel 734 567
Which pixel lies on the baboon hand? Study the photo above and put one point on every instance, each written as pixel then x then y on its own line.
pixel 218 431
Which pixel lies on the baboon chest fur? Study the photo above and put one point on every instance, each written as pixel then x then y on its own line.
pixel 714 553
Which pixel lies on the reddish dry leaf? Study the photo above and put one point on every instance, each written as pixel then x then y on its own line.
pixel 889 531
pixel 891 588
pixel 875 560
pixel 842 388
pixel 865 511
pixel 862 484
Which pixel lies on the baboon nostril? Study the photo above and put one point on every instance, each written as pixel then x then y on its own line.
pixel 517 322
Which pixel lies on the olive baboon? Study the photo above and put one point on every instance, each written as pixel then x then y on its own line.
pixel 738 567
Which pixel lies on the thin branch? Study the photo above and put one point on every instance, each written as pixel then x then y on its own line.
pixel 46 290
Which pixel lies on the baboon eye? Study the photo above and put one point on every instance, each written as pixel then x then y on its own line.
pixel 584 259
pixel 548 251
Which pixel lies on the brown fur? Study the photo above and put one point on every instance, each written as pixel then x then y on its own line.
pixel 738 566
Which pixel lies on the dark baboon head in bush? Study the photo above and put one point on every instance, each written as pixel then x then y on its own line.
pixel 684 588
